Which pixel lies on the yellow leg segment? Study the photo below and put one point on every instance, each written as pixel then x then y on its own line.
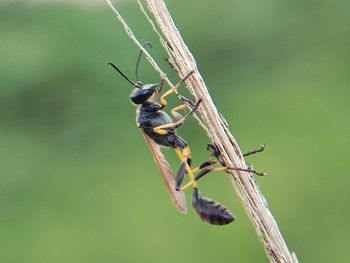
pixel 177 115
pixel 161 128
pixel 193 181
pixel 199 168
pixel 184 155
pixel 173 89
pixel 162 98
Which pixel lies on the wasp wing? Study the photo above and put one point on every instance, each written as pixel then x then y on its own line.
pixel 178 198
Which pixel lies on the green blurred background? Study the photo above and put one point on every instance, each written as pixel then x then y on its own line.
pixel 77 181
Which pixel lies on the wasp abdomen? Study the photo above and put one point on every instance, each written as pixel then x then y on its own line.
pixel 210 211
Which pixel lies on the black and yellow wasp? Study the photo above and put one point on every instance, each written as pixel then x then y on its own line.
pixel 160 130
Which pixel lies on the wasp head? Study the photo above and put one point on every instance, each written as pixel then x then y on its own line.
pixel 142 93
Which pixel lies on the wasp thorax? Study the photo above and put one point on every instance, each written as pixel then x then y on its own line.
pixel 142 93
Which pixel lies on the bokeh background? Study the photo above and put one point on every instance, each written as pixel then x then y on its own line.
pixel 77 181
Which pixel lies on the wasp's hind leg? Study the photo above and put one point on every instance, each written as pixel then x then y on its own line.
pixel 205 171
pixel 202 169
pixel 208 210
pixel 200 174
pixel 206 168
pixel 182 171
pixel 185 157
pixel 204 165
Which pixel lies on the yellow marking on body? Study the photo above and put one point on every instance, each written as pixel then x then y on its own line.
pixel 160 131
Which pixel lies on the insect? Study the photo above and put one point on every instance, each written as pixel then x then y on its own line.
pixel 159 129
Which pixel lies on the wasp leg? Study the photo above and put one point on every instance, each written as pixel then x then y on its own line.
pixel 177 115
pixel 204 165
pixel 201 174
pixel 249 170
pixel 162 129
pixel 180 176
pixel 201 169
pixel 185 157
pixel 258 150
pixel 173 66
pixel 207 209
pixel 190 103
pixel 205 171
pixel 173 89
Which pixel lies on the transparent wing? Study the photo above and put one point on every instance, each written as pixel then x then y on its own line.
pixel 178 198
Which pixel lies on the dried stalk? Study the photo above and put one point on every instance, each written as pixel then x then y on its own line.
pixel 247 189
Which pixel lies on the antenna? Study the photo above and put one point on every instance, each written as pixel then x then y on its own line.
pixel 144 45
pixel 121 73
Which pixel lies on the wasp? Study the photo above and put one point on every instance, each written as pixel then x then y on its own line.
pixel 160 130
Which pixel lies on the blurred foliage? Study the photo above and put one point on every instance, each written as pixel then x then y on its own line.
pixel 77 181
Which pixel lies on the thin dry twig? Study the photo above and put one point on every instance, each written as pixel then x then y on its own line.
pixel 246 187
